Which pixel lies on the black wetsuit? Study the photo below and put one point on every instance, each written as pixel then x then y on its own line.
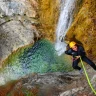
pixel 80 52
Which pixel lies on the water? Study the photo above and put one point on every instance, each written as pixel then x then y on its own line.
pixel 65 20
pixel 39 58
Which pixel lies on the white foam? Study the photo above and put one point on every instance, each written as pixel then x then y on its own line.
pixel 65 20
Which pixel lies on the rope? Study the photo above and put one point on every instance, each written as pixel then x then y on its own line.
pixel 94 91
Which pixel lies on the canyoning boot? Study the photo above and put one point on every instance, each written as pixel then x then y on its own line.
pixel 81 71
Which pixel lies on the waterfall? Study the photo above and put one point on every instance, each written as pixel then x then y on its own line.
pixel 65 20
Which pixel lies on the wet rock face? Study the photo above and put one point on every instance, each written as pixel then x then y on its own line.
pixel 83 28
pixel 51 84
pixel 18 20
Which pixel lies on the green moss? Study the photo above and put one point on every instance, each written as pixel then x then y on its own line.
pixel 27 93
pixel 13 57
pixel 2 36
pixel 7 18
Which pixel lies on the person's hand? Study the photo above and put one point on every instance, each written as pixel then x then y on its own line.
pixel 77 57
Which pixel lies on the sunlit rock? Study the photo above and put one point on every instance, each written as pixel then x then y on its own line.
pixel 14 35
pixel 49 14
pixel 17 7
pixel 17 25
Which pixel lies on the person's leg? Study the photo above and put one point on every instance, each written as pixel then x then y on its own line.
pixel 87 60
pixel 75 64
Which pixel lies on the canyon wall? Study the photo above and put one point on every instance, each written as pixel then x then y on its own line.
pixel 23 22
pixel 49 14
pixel 83 29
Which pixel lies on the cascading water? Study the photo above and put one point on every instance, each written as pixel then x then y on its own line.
pixel 65 20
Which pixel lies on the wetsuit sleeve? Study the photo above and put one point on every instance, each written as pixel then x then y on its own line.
pixel 82 51
pixel 68 52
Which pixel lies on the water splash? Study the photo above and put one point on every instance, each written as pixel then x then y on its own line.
pixel 65 20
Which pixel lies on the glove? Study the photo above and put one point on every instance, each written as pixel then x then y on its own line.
pixel 77 57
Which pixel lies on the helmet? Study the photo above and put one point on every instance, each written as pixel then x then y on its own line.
pixel 71 44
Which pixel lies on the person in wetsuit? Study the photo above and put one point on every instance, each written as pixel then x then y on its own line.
pixel 77 51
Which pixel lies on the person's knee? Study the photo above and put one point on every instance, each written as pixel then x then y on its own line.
pixel 94 67
pixel 74 66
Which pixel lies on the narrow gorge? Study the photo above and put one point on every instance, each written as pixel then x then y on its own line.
pixel 33 38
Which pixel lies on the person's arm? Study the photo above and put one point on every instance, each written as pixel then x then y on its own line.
pixel 68 52
pixel 73 54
